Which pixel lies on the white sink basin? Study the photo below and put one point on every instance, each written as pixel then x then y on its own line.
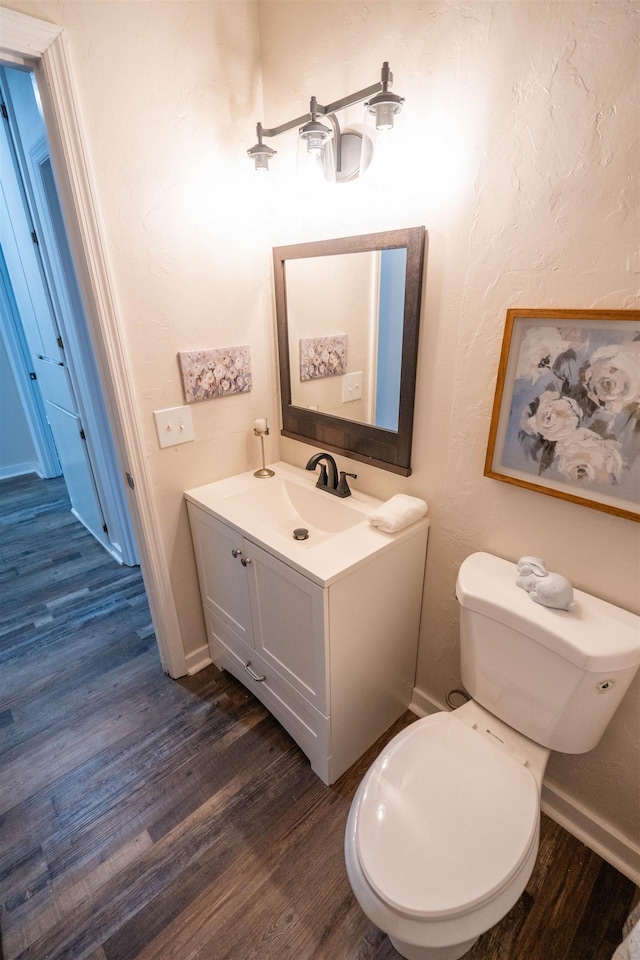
pixel 285 505
pixel 268 510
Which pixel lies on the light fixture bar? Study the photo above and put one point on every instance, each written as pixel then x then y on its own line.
pixel 324 110
pixel 259 151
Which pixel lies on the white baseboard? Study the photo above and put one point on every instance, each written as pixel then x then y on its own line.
pixel 596 834
pixel 19 470
pixel 422 704
pixel 577 820
pixel 198 660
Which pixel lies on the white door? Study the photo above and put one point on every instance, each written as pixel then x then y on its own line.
pixel 67 430
pixel 45 344
pixel 71 445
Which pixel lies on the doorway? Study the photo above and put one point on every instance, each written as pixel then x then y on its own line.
pixel 41 46
pixel 45 331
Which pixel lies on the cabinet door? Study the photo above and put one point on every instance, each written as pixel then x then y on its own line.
pixel 289 624
pixel 223 581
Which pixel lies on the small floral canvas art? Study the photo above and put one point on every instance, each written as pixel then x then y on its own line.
pixel 209 374
pixel 323 357
pixel 569 408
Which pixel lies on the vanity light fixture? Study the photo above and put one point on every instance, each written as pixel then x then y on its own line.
pixel 350 153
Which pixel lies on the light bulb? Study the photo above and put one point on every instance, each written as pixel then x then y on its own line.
pixel 384 116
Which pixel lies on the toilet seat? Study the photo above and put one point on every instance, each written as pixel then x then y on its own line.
pixel 446 818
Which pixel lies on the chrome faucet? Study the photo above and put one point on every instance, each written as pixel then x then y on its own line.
pixel 329 481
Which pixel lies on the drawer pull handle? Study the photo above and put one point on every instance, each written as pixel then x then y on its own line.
pixel 253 674
pixel 236 553
pixel 246 561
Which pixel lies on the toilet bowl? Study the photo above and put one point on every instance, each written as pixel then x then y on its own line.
pixel 443 832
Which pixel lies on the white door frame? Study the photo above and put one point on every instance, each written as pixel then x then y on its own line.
pixel 43 47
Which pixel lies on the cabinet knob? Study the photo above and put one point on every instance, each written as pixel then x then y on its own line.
pixel 246 561
pixel 253 674
pixel 236 553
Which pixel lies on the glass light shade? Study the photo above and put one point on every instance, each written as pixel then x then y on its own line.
pixel 384 113
pixel 383 127
pixel 261 154
pixel 384 107
pixel 315 158
pixel 314 135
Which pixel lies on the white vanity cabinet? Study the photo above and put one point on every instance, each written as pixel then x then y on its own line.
pixel 261 609
pixel 334 662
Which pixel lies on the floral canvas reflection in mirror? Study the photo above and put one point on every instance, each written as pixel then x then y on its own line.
pixel 566 414
pixel 323 357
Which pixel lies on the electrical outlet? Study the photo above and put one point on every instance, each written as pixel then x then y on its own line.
pixel 352 386
pixel 173 425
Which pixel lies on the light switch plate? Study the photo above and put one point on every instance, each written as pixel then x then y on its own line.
pixel 352 386
pixel 173 425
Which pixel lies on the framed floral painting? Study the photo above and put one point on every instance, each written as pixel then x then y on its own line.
pixel 566 414
pixel 210 374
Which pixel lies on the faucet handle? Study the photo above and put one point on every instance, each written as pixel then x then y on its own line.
pixel 343 487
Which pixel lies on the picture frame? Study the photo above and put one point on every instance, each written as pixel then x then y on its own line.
pixel 566 412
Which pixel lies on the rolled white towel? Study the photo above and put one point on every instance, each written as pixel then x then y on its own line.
pixel 397 513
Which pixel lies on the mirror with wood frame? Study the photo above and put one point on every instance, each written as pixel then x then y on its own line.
pixel 348 316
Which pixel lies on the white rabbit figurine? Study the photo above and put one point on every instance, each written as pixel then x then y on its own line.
pixel 549 589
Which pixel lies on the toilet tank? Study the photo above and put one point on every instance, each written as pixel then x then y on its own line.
pixel 557 676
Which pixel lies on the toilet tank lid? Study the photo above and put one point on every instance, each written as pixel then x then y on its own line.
pixel 594 634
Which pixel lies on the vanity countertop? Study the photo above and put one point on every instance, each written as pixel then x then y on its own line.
pixel 267 509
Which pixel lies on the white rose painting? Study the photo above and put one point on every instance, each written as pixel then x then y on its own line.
pixel 210 374
pixel 567 415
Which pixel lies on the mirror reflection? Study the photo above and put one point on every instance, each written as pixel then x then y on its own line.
pixel 348 314
pixel 345 319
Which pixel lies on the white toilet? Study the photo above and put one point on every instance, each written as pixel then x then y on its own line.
pixel 443 832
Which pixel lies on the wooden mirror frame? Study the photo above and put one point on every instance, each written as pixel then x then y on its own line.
pixel 388 449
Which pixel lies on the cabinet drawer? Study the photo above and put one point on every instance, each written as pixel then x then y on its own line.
pixel 308 727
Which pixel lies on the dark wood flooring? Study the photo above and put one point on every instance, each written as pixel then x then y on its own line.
pixel 143 818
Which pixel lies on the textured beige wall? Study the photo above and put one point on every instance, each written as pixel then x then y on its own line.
pixel 521 119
